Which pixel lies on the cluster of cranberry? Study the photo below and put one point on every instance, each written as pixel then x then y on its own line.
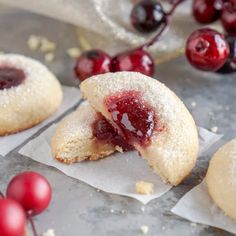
pixel 28 194
pixel 146 16
pixel 207 49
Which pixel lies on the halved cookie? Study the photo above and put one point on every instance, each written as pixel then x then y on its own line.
pixel 85 134
pixel 149 117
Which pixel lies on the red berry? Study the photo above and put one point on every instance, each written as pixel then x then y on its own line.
pixel 31 190
pixel 147 16
pixel 228 17
pixel 230 65
pixel 91 63
pixel 134 118
pixel 136 60
pixel 206 11
pixel 12 218
pixel 207 49
pixel 10 77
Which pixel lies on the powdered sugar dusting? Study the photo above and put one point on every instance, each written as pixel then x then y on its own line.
pixel 77 124
pixel 180 139
pixel 33 100
pixel 35 78
pixel 227 154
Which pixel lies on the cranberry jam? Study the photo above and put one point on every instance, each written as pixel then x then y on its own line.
pixel 10 77
pixel 104 131
pixel 133 117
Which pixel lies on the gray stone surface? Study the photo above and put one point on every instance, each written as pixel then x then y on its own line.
pixel 78 209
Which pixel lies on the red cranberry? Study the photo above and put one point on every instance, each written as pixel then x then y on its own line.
pixel 12 218
pixel 230 65
pixel 104 131
pixel 207 49
pixel 10 77
pixel 136 60
pixel 31 190
pixel 228 17
pixel 206 11
pixel 91 63
pixel 147 16
pixel 133 117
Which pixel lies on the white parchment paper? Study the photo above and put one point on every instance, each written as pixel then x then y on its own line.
pixel 197 206
pixel 71 97
pixel 116 174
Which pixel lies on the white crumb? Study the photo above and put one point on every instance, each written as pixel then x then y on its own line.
pixel 33 42
pixel 144 229
pixel 145 188
pixel 214 129
pixel 49 232
pixel 112 210
pixel 47 45
pixel 73 52
pixel 49 57
pixel 123 211
pixel 142 208
pixel 193 104
pixel 193 224
pixel 84 44
pixel 98 190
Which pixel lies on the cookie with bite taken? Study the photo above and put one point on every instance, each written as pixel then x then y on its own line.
pixel 148 116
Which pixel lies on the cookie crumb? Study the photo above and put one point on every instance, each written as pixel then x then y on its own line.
pixel 49 57
pixel 193 224
pixel 112 210
pixel 49 232
pixel 142 208
pixel 193 104
pixel 33 42
pixel 145 188
pixel 47 45
pixel 73 52
pixel 84 44
pixel 144 229
pixel 98 190
pixel 123 211
pixel 214 129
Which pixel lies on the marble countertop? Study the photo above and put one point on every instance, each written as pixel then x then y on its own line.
pixel 78 209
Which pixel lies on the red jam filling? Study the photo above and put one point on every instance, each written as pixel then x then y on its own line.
pixel 134 118
pixel 10 77
pixel 104 131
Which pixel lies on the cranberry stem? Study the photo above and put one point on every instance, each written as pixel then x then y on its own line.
pixel 163 26
pixel 32 225
pixel 174 6
pixel 2 195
